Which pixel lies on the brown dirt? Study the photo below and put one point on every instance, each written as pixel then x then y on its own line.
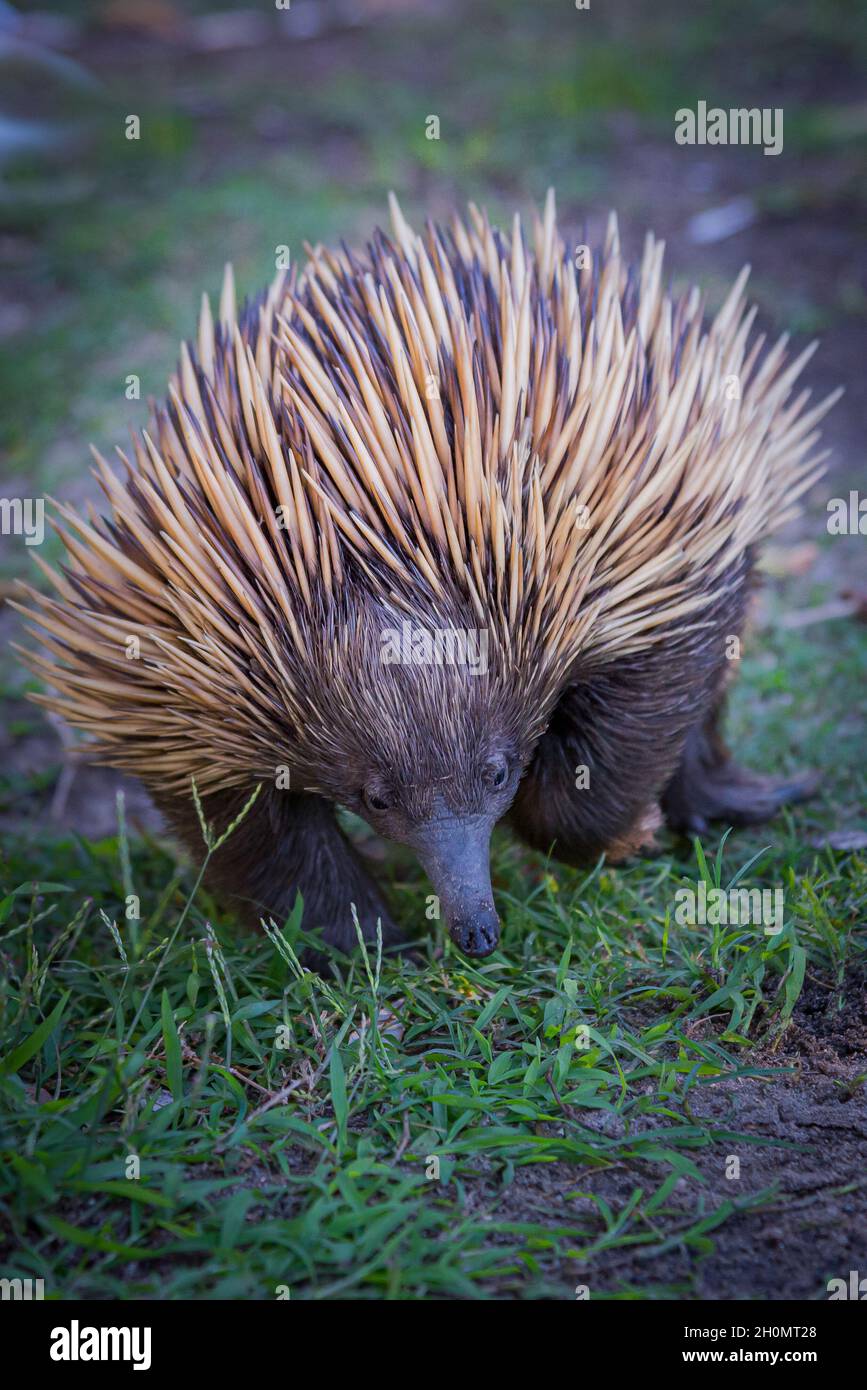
pixel 809 1129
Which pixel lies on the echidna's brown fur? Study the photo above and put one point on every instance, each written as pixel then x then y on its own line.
pixel 456 427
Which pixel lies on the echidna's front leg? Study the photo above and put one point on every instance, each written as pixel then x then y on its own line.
pixel 287 844
pixel 709 786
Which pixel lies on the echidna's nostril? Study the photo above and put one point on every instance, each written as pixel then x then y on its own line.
pixel 477 935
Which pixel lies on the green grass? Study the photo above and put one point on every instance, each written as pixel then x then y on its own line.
pixel 284 1129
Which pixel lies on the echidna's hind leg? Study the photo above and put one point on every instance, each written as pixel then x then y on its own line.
pixel 593 784
pixel 287 844
pixel 709 786
pixel 639 741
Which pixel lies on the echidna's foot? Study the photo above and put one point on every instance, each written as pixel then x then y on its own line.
pixel 362 903
pixel 287 844
pixel 335 887
pixel 733 795
pixel 710 786
pixel 339 934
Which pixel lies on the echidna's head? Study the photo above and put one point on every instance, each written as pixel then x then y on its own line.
pixel 429 737
pixel 447 819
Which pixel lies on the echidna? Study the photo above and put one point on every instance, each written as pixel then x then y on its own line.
pixel 449 447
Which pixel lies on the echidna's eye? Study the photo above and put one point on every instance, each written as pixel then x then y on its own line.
pixel 496 773
pixel 375 801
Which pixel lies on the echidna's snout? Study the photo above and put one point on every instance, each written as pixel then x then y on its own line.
pixel 455 854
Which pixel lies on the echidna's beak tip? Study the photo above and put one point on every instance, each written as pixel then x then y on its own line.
pixel 478 934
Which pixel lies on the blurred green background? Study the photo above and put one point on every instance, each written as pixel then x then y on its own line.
pixel 262 127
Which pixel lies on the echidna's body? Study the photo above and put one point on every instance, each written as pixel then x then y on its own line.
pixel 451 433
